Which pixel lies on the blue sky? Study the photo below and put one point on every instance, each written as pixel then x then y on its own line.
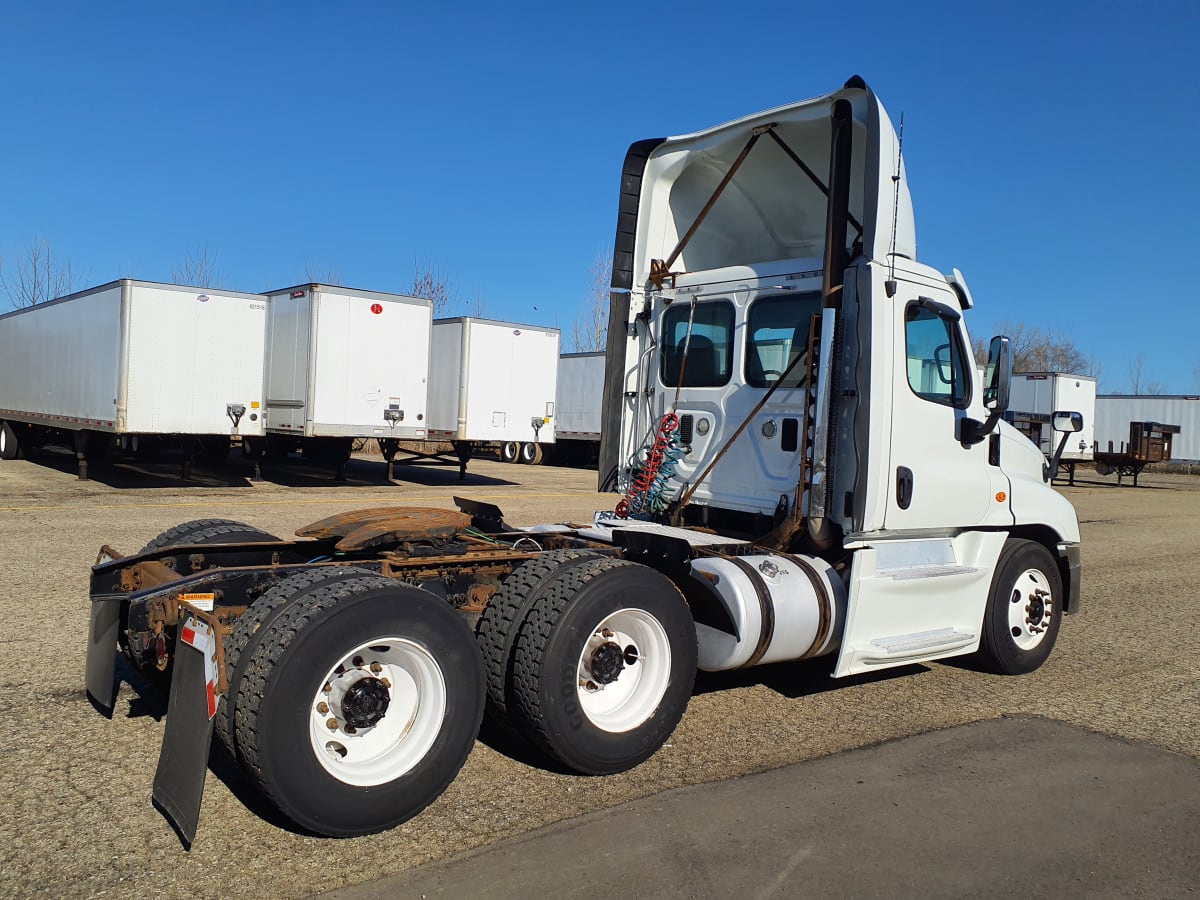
pixel 1051 148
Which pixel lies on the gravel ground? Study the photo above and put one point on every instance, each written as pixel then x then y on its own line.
pixel 77 817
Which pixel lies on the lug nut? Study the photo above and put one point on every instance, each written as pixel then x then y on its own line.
pixel 376 668
pixel 322 707
pixel 350 729
pixel 331 724
pixel 386 683
pixel 607 632
pixel 328 687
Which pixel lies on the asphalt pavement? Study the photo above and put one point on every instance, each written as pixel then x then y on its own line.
pixel 1013 807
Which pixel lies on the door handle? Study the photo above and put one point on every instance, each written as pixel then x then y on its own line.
pixel 904 486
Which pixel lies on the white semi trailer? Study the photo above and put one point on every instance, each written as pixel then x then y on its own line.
pixel 811 467
pixel 344 364
pixel 132 361
pixel 579 406
pixel 492 383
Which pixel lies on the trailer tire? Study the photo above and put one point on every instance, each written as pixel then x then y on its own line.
pixel 208 531
pixel 604 665
pixel 510 451
pixel 9 448
pixel 1026 597
pixel 430 685
pixel 531 453
pixel 241 642
pixel 501 622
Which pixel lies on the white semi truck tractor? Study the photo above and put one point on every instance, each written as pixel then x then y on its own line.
pixel 810 465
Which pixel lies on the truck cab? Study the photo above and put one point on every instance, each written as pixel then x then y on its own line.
pixel 767 295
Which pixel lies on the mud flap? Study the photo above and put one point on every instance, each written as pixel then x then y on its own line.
pixel 183 761
pixel 102 652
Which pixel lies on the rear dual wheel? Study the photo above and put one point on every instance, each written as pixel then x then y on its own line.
pixel 604 665
pixel 9 447
pixel 531 454
pixel 358 708
pixel 510 451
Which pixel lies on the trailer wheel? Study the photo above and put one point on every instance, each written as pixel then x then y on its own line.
pixel 501 623
pixel 241 642
pixel 531 454
pixel 604 665
pixel 208 531
pixel 509 451
pixel 358 708
pixel 1024 612
pixel 8 442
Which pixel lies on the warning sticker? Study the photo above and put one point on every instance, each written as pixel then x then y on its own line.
pixel 202 602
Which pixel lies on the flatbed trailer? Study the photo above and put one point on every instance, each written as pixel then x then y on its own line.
pixel 1149 442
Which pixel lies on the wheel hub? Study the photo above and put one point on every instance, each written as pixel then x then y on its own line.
pixel 365 702
pixel 607 662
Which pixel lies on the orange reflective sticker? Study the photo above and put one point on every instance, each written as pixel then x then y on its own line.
pixel 1001 496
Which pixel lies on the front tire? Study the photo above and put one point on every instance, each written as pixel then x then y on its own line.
pixel 356 712
pixel 604 666
pixel 1024 612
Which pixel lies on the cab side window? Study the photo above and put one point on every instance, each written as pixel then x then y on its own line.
pixel 709 357
pixel 937 359
pixel 777 332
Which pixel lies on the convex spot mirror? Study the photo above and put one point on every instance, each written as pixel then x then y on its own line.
pixel 997 379
pixel 1067 421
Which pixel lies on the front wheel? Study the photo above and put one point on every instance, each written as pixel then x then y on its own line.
pixel 604 665
pixel 355 712
pixel 1024 609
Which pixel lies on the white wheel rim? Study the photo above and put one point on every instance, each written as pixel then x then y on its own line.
pixel 621 701
pixel 393 745
pixel 1030 609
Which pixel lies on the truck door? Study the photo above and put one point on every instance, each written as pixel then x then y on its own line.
pixel 935 481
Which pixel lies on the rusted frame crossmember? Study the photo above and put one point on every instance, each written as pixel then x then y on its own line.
pixel 660 269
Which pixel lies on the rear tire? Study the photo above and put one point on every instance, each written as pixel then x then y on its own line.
pixel 208 531
pixel 417 715
pixel 1024 611
pixel 604 665
pixel 509 451
pixel 501 622
pixel 531 454
pixel 242 641
pixel 9 448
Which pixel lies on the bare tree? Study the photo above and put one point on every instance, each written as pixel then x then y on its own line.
pixel 313 275
pixel 1139 382
pixel 589 330
pixel 37 276
pixel 1036 350
pixel 197 269
pixel 430 282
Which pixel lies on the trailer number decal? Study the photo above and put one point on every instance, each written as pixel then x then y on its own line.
pixel 198 635
pixel 202 602
pixel 377 308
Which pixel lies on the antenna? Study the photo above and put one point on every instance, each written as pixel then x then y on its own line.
pixel 890 284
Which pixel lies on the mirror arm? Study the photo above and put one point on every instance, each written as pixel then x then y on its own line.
pixel 1050 468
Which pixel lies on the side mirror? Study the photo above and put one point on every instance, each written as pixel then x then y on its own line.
pixel 997 381
pixel 941 356
pixel 1067 421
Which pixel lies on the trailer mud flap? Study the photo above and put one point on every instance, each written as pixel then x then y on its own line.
pixel 183 762
pixel 102 652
